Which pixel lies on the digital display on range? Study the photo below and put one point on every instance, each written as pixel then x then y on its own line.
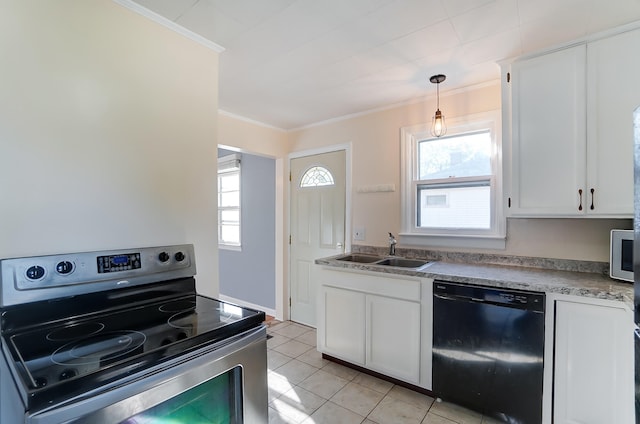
pixel 113 263
pixel 120 260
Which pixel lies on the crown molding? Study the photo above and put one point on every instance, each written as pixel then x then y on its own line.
pixel 407 102
pixel 149 14
pixel 249 120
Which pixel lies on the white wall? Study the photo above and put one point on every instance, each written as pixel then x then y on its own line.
pixel 107 133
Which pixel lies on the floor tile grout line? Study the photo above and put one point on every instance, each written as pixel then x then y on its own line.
pixel 372 409
pixel 273 329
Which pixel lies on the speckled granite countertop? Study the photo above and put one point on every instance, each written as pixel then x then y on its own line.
pixel 588 284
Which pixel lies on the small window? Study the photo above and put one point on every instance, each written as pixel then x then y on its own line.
pixel 229 201
pixel 435 200
pixel 452 185
pixel 317 176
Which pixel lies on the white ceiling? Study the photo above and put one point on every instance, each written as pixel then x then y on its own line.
pixel 292 63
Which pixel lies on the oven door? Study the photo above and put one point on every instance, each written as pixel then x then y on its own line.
pixel 227 384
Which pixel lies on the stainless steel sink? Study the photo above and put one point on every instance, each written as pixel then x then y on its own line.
pixel 360 258
pixel 363 258
pixel 403 263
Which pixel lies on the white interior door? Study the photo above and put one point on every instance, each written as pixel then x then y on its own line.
pixel 318 196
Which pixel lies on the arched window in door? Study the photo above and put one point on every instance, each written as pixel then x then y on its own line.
pixel 317 176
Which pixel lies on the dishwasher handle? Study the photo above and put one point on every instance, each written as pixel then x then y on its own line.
pixel 463 298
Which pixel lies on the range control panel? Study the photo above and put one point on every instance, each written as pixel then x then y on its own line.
pixel 114 263
pixel 52 276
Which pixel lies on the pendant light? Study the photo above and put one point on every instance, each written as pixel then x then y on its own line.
pixel 438 127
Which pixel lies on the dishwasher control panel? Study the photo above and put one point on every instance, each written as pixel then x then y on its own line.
pixel 491 295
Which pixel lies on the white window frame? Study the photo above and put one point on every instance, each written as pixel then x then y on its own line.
pixel 411 234
pixel 228 164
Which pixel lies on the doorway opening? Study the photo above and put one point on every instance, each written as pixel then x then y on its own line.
pixel 318 224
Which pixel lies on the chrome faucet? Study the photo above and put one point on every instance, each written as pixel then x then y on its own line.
pixel 392 245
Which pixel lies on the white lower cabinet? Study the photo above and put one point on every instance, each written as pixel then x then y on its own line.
pixel 342 316
pixel 393 337
pixel 593 365
pixel 381 322
pixel 384 323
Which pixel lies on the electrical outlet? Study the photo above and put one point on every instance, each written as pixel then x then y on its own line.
pixel 359 233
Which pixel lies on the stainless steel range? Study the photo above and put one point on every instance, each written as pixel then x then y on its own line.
pixel 122 336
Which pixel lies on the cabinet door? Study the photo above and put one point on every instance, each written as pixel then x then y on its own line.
pixel 613 74
pixel 548 134
pixel 593 370
pixel 341 332
pixel 393 337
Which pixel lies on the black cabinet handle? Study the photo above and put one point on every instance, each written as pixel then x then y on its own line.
pixel 592 191
pixel 580 193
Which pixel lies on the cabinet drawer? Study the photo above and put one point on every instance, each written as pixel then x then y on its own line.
pixel 396 286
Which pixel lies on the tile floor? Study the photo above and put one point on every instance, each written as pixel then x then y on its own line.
pixel 304 388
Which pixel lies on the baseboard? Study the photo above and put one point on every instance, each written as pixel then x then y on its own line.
pixel 239 302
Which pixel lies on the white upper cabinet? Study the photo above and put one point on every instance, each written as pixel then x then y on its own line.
pixel 570 150
pixel 548 156
pixel 613 79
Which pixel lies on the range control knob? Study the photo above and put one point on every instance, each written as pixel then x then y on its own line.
pixel 41 381
pixel 67 374
pixel 35 272
pixel 163 257
pixel 64 267
pixel 179 256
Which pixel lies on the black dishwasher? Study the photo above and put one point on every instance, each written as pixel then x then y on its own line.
pixel 488 347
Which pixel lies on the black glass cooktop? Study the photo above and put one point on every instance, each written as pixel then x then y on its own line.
pixel 82 352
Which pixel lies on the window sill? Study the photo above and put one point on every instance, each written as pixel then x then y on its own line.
pixel 465 241
pixel 230 247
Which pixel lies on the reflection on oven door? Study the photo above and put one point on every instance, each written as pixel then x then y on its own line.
pixel 218 400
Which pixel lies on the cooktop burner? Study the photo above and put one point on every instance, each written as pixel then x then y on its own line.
pixel 178 306
pixel 56 353
pixel 223 315
pixel 74 331
pixel 99 348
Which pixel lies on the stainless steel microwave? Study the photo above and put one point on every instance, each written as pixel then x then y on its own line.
pixel 621 255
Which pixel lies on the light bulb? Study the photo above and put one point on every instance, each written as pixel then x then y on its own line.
pixel 438 127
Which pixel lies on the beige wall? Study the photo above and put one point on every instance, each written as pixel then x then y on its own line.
pixel 107 133
pixel 375 139
pixel 585 239
pixel 252 137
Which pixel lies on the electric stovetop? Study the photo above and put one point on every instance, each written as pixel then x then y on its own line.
pixel 83 351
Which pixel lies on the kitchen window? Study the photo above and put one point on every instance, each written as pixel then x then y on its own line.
pixel 229 202
pixel 452 188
